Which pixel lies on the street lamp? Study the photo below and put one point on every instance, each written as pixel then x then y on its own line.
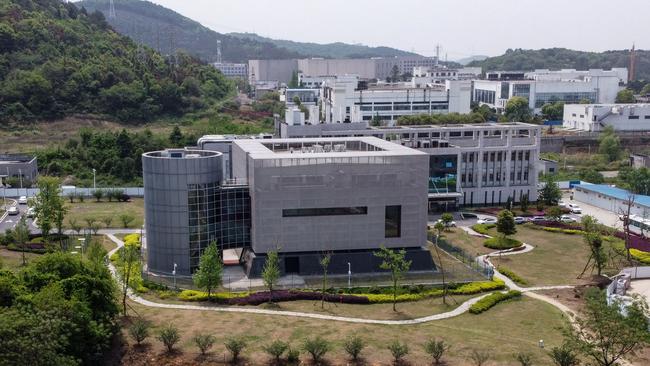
pixel 349 275
pixel 94 181
pixel 174 273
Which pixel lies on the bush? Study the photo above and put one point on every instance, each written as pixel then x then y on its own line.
pixel 293 356
pixel 511 275
pixel 204 342
pixel 490 300
pixel 169 336
pixel 483 228
pixel 276 349
pixel 501 243
pixel 139 330
pixel 353 346
pixel 524 359
pixel 398 350
pixel 478 287
pixel 480 358
pixel 316 347
pixel 235 346
pixel 436 349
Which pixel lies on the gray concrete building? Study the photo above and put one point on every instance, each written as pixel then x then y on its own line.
pixel 19 165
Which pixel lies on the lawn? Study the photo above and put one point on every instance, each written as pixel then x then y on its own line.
pixel 79 211
pixel 472 245
pixel 13 260
pixel 503 331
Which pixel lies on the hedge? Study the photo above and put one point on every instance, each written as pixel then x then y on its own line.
pixel 555 229
pixel 483 228
pixel 193 295
pixel 490 300
pixel 478 287
pixel 511 275
pixel 498 242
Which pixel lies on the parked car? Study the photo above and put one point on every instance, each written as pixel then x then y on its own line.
pixel 30 213
pixel 22 200
pixel 561 204
pixel 486 220
pixel 449 224
pixel 574 208
pixel 567 219
pixel 519 220
pixel 13 210
pixel 537 219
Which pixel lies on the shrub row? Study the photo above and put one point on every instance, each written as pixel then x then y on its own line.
pixel 555 229
pixel 490 300
pixel 483 228
pixel 501 243
pixel 193 295
pixel 511 275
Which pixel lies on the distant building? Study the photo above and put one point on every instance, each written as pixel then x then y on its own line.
pixel 18 165
pixel 423 76
pixel 546 166
pixel 232 70
pixel 595 117
pixel 612 199
pixel 308 102
pixel 542 86
pixel 639 161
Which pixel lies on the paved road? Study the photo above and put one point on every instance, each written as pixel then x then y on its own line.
pixel 10 222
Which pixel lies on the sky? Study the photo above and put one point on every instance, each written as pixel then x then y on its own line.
pixel 461 27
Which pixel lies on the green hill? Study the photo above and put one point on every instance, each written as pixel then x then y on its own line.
pixel 57 60
pixel 557 58
pixel 329 50
pixel 164 29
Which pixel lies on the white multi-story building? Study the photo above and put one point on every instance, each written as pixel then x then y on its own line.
pixel 232 70
pixel 308 103
pixel 595 117
pixel 345 99
pixel 542 87
pixel 424 75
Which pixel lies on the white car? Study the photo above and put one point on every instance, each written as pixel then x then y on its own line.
pixel 13 210
pixel 450 224
pixel 561 204
pixel 537 219
pixel 22 200
pixel 520 220
pixel 31 213
pixel 574 208
pixel 486 220
pixel 567 219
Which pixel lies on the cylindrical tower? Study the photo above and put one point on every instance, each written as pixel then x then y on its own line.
pixel 178 188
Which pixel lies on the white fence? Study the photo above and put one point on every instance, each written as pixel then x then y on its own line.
pixel 30 192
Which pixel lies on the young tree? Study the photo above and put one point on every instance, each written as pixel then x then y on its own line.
pixel 524 359
pixel 139 330
pixel 74 225
pixel 49 206
pixel 524 202
pixel 564 356
pixel 625 213
pixel 604 334
pixel 447 219
pixel 276 349
pixel 440 227
pixel 98 194
pixel 208 276
pixel 480 357
pixel 21 234
pixel 550 193
pixel 398 350
pixel 107 220
pixel 506 223
pixel 128 258
pixel 324 263
pixel 317 348
pixel 625 96
pixel 394 74
pixel 395 262
pixel 517 110
pixel 353 346
pixel 609 144
pixel 126 219
pixel 271 272
pixel 235 346
pixel 176 137
pixel 169 336
pixel 436 349
pixel 204 342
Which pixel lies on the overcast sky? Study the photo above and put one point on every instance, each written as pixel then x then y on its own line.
pixel 461 27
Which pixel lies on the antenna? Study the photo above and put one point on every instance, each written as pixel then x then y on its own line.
pixel 218 51
pixel 632 71
pixel 111 10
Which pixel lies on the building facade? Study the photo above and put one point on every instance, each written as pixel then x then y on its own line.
pixel 232 70
pixel 19 166
pixel 595 117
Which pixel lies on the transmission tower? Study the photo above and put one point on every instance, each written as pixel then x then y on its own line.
pixel 111 10
pixel 219 51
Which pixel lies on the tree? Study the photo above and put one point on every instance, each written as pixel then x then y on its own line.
pixel 317 348
pixel 126 219
pixel 271 272
pixel 506 223
pixel 394 74
pixel 139 330
pixel 440 227
pixel 128 257
pixel 553 111
pixel 625 96
pixel 376 121
pixel 107 220
pixel 436 349
pixel 21 234
pixel 591 175
pixel 176 137
pixel 169 336
pixel 609 144
pixel 447 219
pixel 625 213
pixel 524 202
pixel 646 89
pixel 564 356
pixel 74 225
pixel 353 346
pixel 395 262
pixel 98 194
pixel 276 349
pixel 324 263
pixel 604 333
pixel 398 350
pixel 49 206
pixel 293 83
pixel 209 273
pixel 517 110
pixel 554 213
pixel 550 193
pixel 204 342
pixel 235 346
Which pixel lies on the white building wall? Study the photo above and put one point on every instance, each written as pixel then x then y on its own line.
pixel 595 117
pixel 608 203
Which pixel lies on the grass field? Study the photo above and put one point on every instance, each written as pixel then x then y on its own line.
pixel 79 211
pixel 502 331
pixel 472 245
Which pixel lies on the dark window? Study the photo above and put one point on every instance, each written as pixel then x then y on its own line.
pixel 292 265
pixel 633 117
pixel 647 117
pixel 393 221
pixel 324 211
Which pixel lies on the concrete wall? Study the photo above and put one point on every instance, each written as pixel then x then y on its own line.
pixel 271 70
pixel 397 181
pixel 166 183
pixel 608 203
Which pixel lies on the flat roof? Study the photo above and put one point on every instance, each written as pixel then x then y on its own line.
pixel 257 149
pixel 614 192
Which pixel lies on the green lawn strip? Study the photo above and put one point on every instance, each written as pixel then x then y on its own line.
pixel 491 300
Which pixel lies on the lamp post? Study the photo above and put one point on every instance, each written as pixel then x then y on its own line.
pixel 349 275
pixel 94 181
pixel 174 273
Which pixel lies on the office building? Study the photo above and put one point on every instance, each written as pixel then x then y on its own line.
pixel 595 117
pixel 232 70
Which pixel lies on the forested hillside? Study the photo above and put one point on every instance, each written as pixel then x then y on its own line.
pixel 329 50
pixel 57 60
pixel 558 58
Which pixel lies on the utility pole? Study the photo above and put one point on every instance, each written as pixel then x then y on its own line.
pixel 111 10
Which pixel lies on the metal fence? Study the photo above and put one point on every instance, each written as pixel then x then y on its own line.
pixel 472 262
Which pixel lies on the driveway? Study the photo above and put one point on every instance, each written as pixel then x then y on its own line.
pixel 603 216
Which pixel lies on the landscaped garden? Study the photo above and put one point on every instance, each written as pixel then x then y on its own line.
pixel 105 214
